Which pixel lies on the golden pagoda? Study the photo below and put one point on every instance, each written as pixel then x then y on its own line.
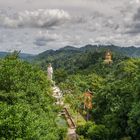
pixel 108 57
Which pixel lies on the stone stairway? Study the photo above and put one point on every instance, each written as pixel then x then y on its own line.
pixel 57 94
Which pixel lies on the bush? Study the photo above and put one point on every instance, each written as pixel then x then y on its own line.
pixel 92 131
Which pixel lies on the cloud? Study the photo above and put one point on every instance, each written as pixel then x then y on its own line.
pixel 137 15
pixel 39 18
pixel 44 38
pixel 80 22
pixel 133 27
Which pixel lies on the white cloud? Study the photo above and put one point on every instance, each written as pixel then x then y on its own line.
pixel 133 24
pixel 38 18
pixel 43 38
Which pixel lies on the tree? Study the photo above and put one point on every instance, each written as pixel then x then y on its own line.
pixel 26 106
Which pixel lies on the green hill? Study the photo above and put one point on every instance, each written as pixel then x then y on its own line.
pixel 126 51
pixel 75 60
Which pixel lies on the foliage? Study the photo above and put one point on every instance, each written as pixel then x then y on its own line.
pixel 115 101
pixel 60 75
pixel 26 106
pixel 93 131
pixel 115 88
pixel 83 60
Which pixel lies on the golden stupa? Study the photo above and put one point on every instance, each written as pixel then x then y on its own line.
pixel 108 57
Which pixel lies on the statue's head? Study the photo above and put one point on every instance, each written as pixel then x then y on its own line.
pixel 49 65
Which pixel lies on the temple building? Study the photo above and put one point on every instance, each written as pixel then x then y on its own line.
pixel 108 57
pixel 88 100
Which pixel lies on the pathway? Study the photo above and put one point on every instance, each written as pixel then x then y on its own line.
pixel 57 93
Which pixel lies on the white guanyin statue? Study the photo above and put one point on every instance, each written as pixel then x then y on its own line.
pixel 50 71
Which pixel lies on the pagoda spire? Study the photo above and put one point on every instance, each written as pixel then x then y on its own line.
pixel 108 57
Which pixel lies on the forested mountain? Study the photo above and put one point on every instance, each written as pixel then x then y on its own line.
pixel 68 50
pixel 2 54
pixel 24 56
pixel 127 51
pixel 74 60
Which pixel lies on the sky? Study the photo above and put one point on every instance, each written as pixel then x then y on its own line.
pixel 34 26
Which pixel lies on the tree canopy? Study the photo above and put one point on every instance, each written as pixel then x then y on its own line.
pixel 26 107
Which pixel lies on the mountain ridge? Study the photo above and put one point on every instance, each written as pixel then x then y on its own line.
pixel 127 51
pixel 67 50
pixel 22 55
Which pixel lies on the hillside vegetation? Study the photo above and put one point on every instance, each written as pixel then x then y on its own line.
pixel 115 89
pixel 26 106
pixel 115 113
pixel 70 60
